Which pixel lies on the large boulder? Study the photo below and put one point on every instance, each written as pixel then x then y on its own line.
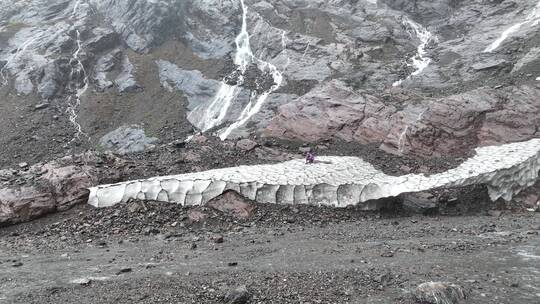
pixel 127 139
pixel 32 192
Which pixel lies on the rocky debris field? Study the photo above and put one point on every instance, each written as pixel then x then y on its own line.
pixel 234 251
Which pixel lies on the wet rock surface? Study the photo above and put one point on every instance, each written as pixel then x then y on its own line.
pixel 175 55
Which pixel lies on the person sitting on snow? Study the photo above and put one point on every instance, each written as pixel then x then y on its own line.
pixel 310 158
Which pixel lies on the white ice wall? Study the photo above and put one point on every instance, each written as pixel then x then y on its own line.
pixel 335 181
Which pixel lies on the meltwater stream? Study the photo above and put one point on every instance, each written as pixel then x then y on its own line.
pixel 532 19
pixel 78 78
pixel 214 114
pixel 420 61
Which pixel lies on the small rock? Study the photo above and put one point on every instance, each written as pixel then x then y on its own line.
pixel 246 145
pixel 387 254
pixel 322 147
pixel 439 292
pixel 239 295
pixel 405 169
pixel 83 281
pixel 218 239
pixel 23 165
pixel 135 207
pixel 196 216
pixel 123 270
pixel 198 139
pixel 41 106
pixel 17 264
pixel 495 213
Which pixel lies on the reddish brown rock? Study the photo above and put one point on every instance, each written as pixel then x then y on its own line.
pixel 449 126
pixel 246 144
pixel 233 204
pixel 195 216
pixel 332 110
pixel 457 124
pixel 53 186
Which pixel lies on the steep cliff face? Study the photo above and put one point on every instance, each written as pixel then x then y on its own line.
pixel 418 77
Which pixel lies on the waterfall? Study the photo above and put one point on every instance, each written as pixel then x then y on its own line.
pixel 403 135
pixel 420 61
pixel 215 113
pixel 532 18
pixel 77 74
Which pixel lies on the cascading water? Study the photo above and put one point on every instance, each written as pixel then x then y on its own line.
pixel 78 79
pixel 403 135
pixel 420 61
pixel 215 113
pixel 14 56
pixel 533 18
pixel 252 109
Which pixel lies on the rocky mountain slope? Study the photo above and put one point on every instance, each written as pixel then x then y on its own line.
pixel 425 78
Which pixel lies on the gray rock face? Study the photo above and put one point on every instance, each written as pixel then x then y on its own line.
pixel 141 23
pixel 105 65
pixel 50 82
pixel 530 63
pixel 193 84
pixel 127 139
pixel 435 51
pixel 101 39
pixel 125 81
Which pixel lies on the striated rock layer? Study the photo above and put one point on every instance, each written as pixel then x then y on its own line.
pixel 332 180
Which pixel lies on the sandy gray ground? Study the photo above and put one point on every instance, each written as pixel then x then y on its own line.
pixel 282 254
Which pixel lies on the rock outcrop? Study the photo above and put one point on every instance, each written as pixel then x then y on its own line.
pixel 333 181
pixel 453 125
pixel 32 192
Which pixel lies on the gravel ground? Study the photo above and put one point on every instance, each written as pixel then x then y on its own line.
pixel 144 252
